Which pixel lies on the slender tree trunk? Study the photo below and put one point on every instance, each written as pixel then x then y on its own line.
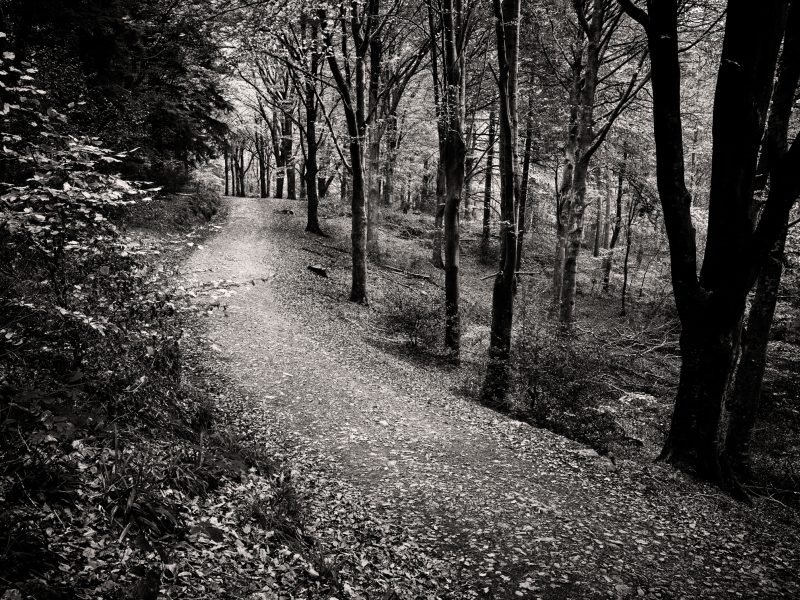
pixel 227 170
pixel 392 146
pixel 261 149
pixel 563 210
pixel 608 262
pixel 598 232
pixel 280 157
pixel 374 148
pixel 577 204
pixel 495 385
pixel 453 159
pixel 441 190
pixel 311 168
pixel 374 189
pixel 287 144
pixel 267 166
pixel 526 166
pixel 487 186
pixel 441 184
pixel 628 241
pixel 572 249
pixel 607 216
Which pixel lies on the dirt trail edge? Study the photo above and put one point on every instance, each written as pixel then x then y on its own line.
pixel 511 510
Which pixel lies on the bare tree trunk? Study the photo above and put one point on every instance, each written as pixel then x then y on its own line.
pixel 453 158
pixel 628 241
pixel 607 215
pixel 495 385
pixel 374 196
pixel 354 116
pixel 311 169
pixel 261 152
pixel 441 183
pixel 526 166
pixel 577 204
pixel 742 404
pixel 267 174
pixel 598 232
pixel 227 169
pixel 280 157
pixel 577 207
pixel 487 186
pixel 441 190
pixel 608 262
pixel 287 149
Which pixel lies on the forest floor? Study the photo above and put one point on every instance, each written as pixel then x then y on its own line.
pixel 411 489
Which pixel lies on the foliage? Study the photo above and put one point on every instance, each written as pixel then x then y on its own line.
pixel 416 318
pixel 134 74
pixel 561 385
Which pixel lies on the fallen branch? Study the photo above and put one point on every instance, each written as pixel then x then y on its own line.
pixel 317 252
pixel 407 273
pixel 318 270
pixel 334 248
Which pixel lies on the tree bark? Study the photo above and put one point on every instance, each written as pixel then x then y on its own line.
pixel 227 169
pixel 495 385
pixel 354 116
pixel 311 170
pixel 523 196
pixel 584 139
pixel 374 149
pixel 487 186
pixel 453 161
pixel 608 262
pixel 711 307
pixel 743 402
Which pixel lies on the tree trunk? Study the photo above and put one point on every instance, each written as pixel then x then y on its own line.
pixel 526 166
pixel 708 351
pixel 280 159
pixel 441 190
pixel 628 241
pixel 577 205
pixel 607 215
pixel 584 138
pixel 354 116
pixel 311 168
pixel 495 385
pixel 287 149
pixel 598 224
pixel 374 196
pixel 742 404
pixel 711 307
pixel 227 169
pixel 267 170
pixel 261 149
pixel 487 186
pixel 392 146
pixel 453 160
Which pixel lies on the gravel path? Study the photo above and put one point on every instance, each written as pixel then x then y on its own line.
pixel 510 510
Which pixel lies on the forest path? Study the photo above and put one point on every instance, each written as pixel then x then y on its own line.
pixel 515 511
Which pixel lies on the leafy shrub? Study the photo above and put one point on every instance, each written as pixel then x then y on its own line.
pixel 416 318
pixel 560 386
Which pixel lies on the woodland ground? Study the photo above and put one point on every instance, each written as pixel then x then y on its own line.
pixel 407 488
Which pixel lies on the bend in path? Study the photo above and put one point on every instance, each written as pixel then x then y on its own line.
pixel 517 511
